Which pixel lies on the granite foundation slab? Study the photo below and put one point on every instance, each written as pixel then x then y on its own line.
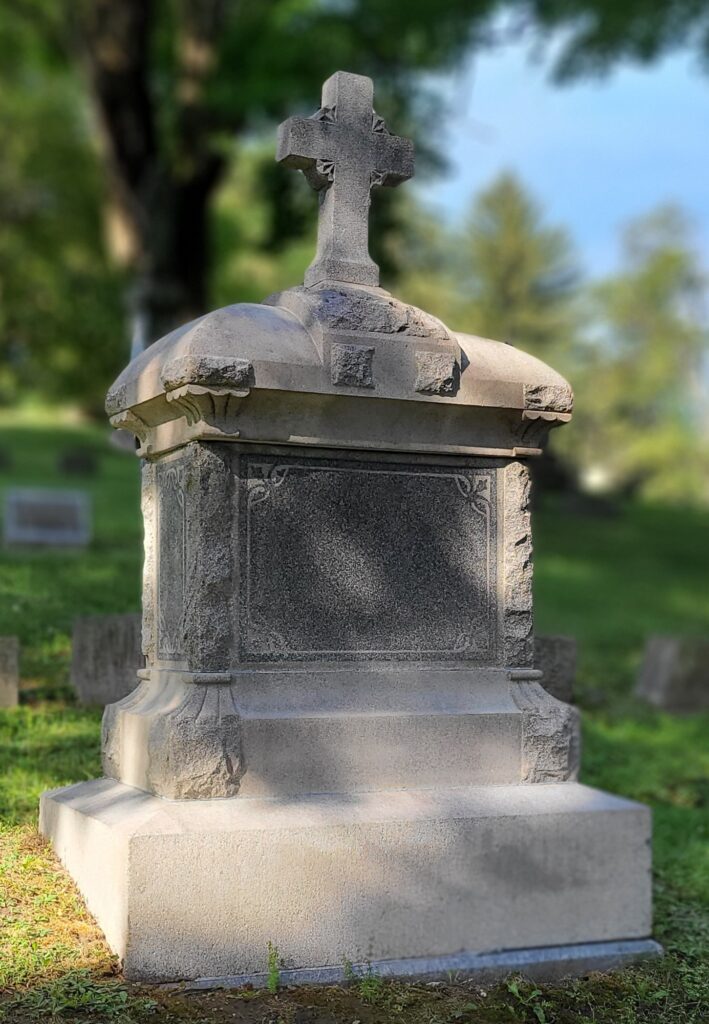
pixel 197 889
pixel 546 963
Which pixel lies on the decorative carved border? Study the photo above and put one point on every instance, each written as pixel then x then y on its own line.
pixel 518 623
pixel 171 489
pixel 263 477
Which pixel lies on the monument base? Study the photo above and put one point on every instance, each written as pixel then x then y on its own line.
pixel 416 882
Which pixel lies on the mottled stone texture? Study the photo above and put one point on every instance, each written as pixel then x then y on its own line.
pixel 189 549
pixel 437 373
pixel 210 585
pixel 550 736
pixel 352 365
pixel 377 560
pixel 517 571
pixel 345 150
pixel 149 501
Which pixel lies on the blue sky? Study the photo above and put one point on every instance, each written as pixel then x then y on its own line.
pixel 595 153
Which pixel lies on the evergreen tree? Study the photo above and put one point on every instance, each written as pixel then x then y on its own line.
pixel 521 274
pixel 641 376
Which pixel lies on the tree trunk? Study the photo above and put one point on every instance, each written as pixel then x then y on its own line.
pixel 171 268
pixel 160 188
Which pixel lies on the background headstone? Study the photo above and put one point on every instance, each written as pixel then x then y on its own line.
pixel 49 518
pixel 78 461
pixel 9 671
pixel 674 674
pixel 105 656
pixel 556 657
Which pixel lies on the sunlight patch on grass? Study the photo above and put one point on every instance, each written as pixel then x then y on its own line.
pixel 45 929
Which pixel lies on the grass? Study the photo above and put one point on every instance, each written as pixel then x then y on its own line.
pixel 609 581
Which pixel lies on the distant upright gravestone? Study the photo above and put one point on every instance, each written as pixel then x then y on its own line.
pixel 49 518
pixel 105 657
pixel 556 656
pixel 9 671
pixel 674 674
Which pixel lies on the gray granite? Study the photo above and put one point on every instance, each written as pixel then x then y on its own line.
pixel 345 150
pixel 556 657
pixel 339 742
pixel 674 674
pixel 105 657
pixel 344 559
pixel 9 671
pixel 547 963
pixel 47 518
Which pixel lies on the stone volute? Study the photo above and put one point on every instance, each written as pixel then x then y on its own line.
pixel 336 380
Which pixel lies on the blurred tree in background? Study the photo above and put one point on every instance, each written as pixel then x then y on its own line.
pixel 137 162
pixel 599 34
pixel 642 367
pixel 523 273
pixel 174 88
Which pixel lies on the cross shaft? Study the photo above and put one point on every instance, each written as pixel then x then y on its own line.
pixel 344 151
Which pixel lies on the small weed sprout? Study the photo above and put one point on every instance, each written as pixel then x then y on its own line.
pixel 370 986
pixel 530 999
pixel 273 978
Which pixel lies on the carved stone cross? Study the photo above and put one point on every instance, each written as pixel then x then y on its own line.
pixel 344 151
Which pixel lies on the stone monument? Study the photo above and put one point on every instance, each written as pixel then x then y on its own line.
pixel 46 517
pixel 339 745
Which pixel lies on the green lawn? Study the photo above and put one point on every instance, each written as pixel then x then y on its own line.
pixel 609 581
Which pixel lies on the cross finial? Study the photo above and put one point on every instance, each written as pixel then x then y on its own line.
pixel 344 151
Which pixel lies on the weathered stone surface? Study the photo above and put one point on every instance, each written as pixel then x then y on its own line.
pixel 438 373
pixel 210 883
pixel 48 518
pixel 105 657
pixel 345 309
pixel 556 657
pixel 675 673
pixel 555 397
pixel 171 547
pixel 352 365
pixel 517 573
pixel 9 671
pixel 188 735
pixel 551 737
pixel 345 150
pixel 214 371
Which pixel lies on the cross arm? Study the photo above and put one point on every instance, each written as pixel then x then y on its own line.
pixel 302 141
pixel 393 159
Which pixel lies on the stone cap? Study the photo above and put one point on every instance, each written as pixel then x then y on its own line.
pixel 336 364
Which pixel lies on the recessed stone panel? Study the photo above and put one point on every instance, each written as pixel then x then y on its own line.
pixel 343 560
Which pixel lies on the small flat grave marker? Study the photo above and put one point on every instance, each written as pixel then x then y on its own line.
pixel 674 674
pixel 50 518
pixel 105 657
pixel 9 671
pixel 556 656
